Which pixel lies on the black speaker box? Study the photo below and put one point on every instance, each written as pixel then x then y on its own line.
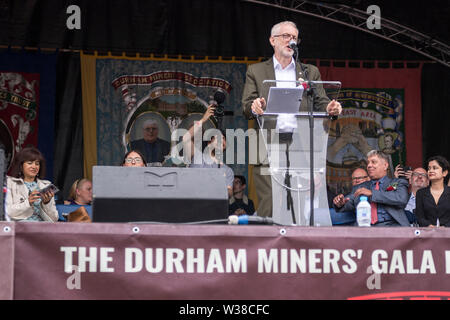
pixel 159 194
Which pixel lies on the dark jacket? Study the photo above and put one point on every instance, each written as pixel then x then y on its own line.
pixel 427 211
pixel 163 149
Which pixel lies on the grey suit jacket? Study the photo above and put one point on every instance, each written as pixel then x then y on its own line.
pixel 254 88
pixel 393 201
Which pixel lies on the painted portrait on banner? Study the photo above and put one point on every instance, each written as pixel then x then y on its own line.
pixel 147 104
pixel 19 98
pixel 372 119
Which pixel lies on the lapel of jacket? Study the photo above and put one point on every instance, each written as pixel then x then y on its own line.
pixel 427 194
pixel 270 71
pixel 299 72
pixel 266 73
pixel 445 194
pixel 385 183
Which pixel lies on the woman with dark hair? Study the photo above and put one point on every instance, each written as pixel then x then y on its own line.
pixel 24 199
pixel 134 158
pixel 433 202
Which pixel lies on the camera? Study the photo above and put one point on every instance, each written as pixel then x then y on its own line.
pixel 405 169
pixel 219 97
pixel 218 112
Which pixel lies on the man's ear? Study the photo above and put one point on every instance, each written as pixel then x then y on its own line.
pixel 386 165
pixel 272 41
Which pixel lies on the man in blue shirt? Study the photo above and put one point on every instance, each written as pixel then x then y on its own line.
pixel 418 179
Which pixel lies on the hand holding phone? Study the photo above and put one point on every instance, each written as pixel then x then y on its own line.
pixel 48 192
pixel 51 187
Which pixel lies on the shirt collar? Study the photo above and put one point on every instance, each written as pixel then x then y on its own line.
pixel 277 65
pixel 379 180
pixel 244 199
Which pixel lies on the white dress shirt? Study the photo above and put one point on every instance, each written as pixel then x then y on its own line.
pixel 285 122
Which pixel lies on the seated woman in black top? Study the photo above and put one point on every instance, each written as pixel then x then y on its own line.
pixel 433 202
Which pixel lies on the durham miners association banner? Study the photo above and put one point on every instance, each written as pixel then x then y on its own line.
pixel 125 100
pixel 381 111
pixel 372 119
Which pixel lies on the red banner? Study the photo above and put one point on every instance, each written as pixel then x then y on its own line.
pixel 394 78
pixel 19 101
pixel 143 261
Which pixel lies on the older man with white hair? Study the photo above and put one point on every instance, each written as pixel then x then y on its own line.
pixel 153 148
pixel 282 66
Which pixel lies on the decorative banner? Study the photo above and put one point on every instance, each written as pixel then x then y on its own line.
pixel 372 119
pixel 167 261
pixel 133 94
pixel 27 93
pixel 399 87
pixel 19 123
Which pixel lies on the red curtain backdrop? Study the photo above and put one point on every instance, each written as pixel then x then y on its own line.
pixel 391 77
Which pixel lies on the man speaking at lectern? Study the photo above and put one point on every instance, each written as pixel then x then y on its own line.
pixel 282 66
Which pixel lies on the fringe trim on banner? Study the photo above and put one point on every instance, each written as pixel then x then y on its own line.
pixel 383 64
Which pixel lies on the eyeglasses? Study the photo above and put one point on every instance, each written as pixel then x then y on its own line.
pixel 423 175
pixel 287 37
pixel 130 160
pixel 150 129
pixel 359 178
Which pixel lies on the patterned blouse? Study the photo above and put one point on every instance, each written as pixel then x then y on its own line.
pixel 36 216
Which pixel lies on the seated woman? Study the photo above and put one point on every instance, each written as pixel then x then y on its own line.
pixel 134 158
pixel 433 202
pixel 80 192
pixel 24 201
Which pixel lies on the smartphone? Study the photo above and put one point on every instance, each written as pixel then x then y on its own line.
pixel 50 187
pixel 404 170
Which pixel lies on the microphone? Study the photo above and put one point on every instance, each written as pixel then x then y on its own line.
pixel 245 219
pixel 293 45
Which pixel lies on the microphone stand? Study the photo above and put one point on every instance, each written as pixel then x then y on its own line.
pixel 287 179
pixel 310 93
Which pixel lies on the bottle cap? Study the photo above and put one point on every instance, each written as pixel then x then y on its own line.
pixel 363 198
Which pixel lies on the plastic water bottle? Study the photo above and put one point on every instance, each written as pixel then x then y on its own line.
pixel 363 212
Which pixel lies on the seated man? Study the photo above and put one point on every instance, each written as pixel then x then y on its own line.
pixel 239 203
pixel 359 175
pixel 153 148
pixel 418 179
pixel 388 197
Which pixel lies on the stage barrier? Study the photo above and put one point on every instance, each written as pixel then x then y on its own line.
pixel 217 262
